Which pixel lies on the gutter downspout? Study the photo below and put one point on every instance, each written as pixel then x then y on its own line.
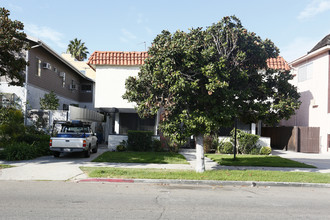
pixel 25 86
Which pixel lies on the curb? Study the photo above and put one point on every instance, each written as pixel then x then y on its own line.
pixel 207 182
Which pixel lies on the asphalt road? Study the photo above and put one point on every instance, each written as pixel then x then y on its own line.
pixel 70 200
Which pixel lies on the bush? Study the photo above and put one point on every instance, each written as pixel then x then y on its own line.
pixel 265 150
pixel 246 142
pixel 156 145
pixel 19 151
pixel 139 140
pixel 121 148
pixel 226 148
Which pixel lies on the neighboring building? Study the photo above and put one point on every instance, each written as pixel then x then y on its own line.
pixel 312 78
pixel 80 65
pixel 47 71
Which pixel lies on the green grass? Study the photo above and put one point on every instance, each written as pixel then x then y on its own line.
pixel 256 160
pixel 221 175
pixel 141 157
pixel 3 166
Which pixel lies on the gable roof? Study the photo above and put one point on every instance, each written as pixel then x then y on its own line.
pixel 117 58
pixel 278 63
pixel 36 41
pixel 137 58
pixel 324 42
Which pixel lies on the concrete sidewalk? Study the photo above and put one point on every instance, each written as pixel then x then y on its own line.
pixel 67 167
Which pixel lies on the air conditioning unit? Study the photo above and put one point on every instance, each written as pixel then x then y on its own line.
pixel 73 87
pixel 46 66
pixel 62 74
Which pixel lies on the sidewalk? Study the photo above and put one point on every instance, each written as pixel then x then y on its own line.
pixel 67 167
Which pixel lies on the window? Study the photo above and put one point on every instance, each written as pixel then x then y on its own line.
pixel 65 107
pixel 86 88
pixel 38 65
pixel 131 121
pixel 305 72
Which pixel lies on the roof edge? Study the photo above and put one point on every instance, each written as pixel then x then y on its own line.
pixel 310 55
pixel 46 47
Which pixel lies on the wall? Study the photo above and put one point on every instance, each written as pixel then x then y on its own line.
pixel 50 79
pixel 313 111
pixel 110 86
pixel 35 93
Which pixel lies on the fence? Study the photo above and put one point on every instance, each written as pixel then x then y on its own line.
pixel 298 139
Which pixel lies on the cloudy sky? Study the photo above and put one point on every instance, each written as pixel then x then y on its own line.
pixel 295 26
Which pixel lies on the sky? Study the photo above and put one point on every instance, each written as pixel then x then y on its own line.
pixel 295 26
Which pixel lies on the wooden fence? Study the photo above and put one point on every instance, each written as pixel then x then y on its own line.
pixel 298 139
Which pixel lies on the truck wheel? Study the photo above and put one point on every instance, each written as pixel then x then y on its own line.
pixel 88 153
pixel 96 148
pixel 56 154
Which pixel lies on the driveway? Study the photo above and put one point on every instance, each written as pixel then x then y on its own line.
pixel 321 161
pixel 48 167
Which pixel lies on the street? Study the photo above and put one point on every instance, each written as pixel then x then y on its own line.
pixel 70 200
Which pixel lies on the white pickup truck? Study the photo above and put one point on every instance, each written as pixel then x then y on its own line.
pixel 75 136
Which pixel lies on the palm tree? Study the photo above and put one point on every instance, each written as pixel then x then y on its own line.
pixel 77 49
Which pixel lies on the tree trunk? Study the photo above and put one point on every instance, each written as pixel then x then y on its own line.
pixel 200 162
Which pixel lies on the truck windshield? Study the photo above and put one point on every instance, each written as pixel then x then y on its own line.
pixel 71 129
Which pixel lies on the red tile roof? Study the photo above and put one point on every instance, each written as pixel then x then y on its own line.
pixel 278 63
pixel 137 59
pixel 117 58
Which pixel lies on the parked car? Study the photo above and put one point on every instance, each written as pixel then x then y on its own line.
pixel 74 136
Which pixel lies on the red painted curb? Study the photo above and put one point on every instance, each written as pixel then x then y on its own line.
pixel 107 180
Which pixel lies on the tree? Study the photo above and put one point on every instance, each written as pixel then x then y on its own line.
pixel 203 79
pixel 12 44
pixel 77 49
pixel 49 101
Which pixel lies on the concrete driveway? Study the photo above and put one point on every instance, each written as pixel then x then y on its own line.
pixel 321 161
pixel 48 167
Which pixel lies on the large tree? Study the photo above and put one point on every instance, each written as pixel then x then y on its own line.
pixel 203 79
pixel 77 49
pixel 12 46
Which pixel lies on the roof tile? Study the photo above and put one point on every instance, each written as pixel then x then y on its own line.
pixel 137 59
pixel 278 63
pixel 117 58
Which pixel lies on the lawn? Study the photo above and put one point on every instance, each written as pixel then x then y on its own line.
pixel 221 175
pixel 255 160
pixel 141 157
pixel 3 166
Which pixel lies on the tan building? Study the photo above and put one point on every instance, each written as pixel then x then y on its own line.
pixel 80 65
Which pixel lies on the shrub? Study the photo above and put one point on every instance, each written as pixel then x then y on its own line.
pixel 255 151
pixel 265 150
pixel 121 148
pixel 156 145
pixel 246 142
pixel 226 148
pixel 19 151
pixel 139 140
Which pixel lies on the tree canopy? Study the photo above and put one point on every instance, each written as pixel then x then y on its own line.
pixel 202 79
pixel 12 45
pixel 77 49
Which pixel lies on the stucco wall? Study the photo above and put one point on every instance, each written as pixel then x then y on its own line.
pixel 313 111
pixel 35 93
pixel 110 86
